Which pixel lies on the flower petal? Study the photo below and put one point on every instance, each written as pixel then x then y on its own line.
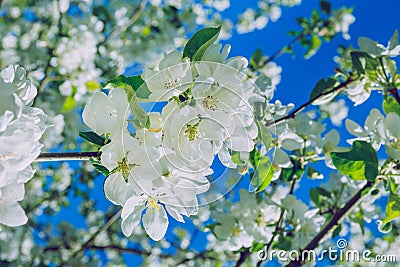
pixel 11 214
pixel 155 222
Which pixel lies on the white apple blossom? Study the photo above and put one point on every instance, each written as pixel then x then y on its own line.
pixel 373 131
pixel 170 78
pixel 21 128
pixel 107 114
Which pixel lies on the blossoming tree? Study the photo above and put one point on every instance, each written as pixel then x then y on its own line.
pixel 194 137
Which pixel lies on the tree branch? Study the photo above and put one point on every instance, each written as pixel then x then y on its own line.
pixel 67 156
pixel 395 94
pixel 337 217
pixel 119 29
pixel 293 114
pixel 282 50
pixel 91 239
pixel 120 249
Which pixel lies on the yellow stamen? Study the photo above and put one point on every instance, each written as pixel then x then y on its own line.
pixel 235 231
pixel 123 167
pixel 152 203
pixel 192 132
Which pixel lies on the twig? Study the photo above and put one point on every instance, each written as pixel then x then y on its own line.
pixel 282 50
pixel 337 217
pixel 91 239
pixel 293 114
pixel 66 156
pixel 118 30
pixel 120 249
pixel 395 94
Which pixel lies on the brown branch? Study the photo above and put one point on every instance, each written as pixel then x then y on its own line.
pixel 336 219
pixel 293 114
pixel 395 94
pixel 282 50
pixel 91 239
pixel 67 156
pixel 120 249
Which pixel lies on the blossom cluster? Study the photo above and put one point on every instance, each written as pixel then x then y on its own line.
pixel 163 167
pixel 21 127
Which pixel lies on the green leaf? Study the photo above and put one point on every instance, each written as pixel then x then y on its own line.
pixel 100 168
pixel 69 104
pixel 390 104
pixel 360 163
pixel 358 218
pixel 263 83
pixel 284 243
pixel 394 40
pixel 295 172
pixel 200 41
pixel 256 58
pixel 102 13
pixel 393 204
pixel 363 63
pixel 314 174
pixel 132 85
pixel 324 192
pixel 355 59
pixel 384 227
pixel 235 156
pixel 315 196
pixel 303 22
pixel 140 117
pixel 369 46
pixel 264 134
pixel 326 7
pixel 136 89
pixel 314 17
pixel 263 171
pixel 315 44
pixel 92 86
pixel 93 138
pixel 322 86
pixel 256 247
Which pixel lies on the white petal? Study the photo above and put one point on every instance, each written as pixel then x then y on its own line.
pixel 116 189
pixel 392 123
pixel 13 192
pixel 11 214
pixel 155 223
pixel 174 213
pixel 131 221
pixel 130 205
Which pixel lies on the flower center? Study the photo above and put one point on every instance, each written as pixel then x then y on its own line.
pixel 123 167
pixel 152 203
pixel 171 83
pixel 210 102
pixel 236 231
pixel 192 132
